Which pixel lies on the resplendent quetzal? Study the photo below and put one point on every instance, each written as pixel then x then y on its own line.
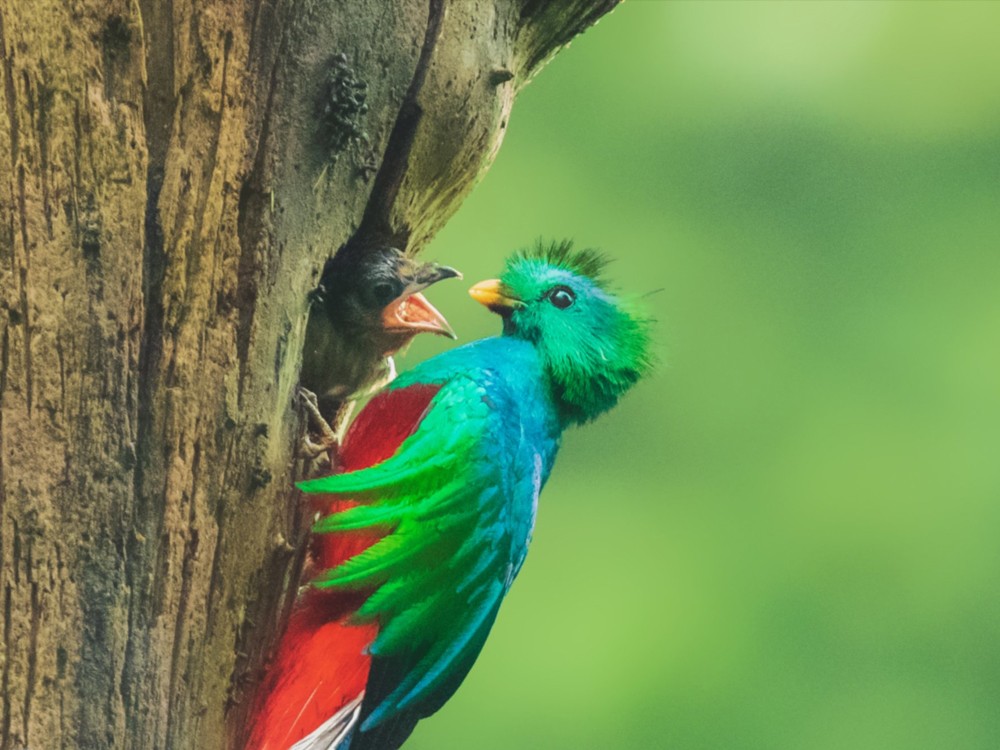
pixel 423 532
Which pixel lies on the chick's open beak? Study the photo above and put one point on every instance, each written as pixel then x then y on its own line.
pixel 412 313
pixel 496 296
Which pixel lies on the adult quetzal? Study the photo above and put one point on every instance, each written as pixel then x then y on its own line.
pixel 421 535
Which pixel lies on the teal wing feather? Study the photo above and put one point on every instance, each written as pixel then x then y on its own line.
pixel 457 503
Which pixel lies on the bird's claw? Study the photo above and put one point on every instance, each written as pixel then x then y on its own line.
pixel 318 426
pixel 312 450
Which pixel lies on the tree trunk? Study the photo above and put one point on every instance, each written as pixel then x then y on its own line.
pixel 173 175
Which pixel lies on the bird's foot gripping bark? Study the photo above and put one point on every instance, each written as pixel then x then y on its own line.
pixel 320 439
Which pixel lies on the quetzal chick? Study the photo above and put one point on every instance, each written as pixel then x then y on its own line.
pixel 368 305
pixel 425 529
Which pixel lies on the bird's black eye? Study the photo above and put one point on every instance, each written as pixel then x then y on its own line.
pixel 562 297
pixel 384 292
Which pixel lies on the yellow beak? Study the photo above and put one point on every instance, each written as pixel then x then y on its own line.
pixel 497 297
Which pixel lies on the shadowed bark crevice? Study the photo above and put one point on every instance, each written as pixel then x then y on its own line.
pixel 376 226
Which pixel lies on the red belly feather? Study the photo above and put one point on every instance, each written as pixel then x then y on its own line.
pixel 320 663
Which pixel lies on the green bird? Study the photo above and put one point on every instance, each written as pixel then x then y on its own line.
pixel 425 529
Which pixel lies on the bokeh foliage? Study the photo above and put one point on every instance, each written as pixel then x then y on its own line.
pixel 790 536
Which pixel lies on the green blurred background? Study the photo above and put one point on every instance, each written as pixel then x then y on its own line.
pixel 789 537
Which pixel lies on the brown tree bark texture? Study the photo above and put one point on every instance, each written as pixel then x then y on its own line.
pixel 167 200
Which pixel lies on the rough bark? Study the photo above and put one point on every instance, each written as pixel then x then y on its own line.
pixel 170 187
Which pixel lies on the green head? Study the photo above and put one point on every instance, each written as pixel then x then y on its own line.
pixel 594 347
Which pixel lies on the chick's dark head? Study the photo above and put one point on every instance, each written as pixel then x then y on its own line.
pixel 378 296
pixel 367 306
